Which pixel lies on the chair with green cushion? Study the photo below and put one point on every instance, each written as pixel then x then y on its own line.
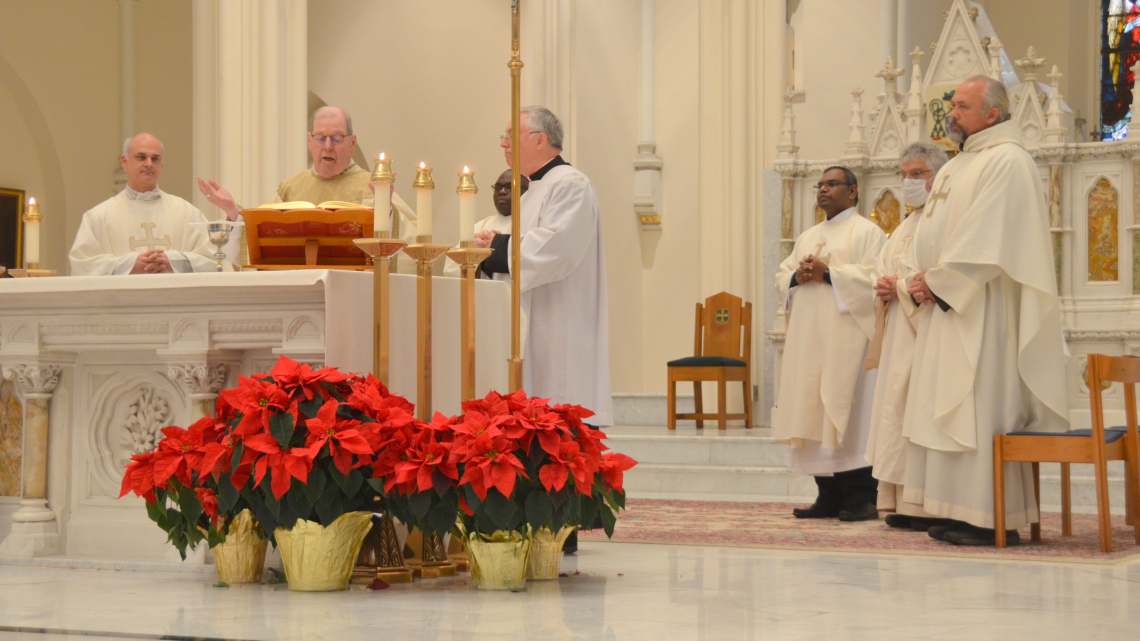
pixel 723 353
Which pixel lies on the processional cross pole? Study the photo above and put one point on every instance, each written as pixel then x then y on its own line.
pixel 515 65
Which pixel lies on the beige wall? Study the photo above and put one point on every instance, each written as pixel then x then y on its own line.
pixel 59 100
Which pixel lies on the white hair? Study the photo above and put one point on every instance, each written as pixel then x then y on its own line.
pixel 994 96
pixel 543 120
pixel 127 145
pixel 934 156
pixel 327 110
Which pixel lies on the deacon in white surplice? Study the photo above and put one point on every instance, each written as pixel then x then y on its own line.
pixel 563 280
pixel 825 396
pixel 142 230
pixel 989 353
pixel 892 348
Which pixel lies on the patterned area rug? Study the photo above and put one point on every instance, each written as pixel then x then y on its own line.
pixel 771 525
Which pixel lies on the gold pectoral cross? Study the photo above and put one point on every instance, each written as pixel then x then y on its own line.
pixel 898 256
pixel 149 241
pixel 939 194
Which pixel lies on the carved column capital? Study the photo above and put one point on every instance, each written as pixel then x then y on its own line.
pixel 34 378
pixel 199 379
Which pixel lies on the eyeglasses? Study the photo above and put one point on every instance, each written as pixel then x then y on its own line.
pixel 913 175
pixel 335 139
pixel 507 137
pixel 831 184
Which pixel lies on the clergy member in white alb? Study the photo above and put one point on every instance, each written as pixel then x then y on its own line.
pixel 563 280
pixel 892 348
pixel 825 396
pixel 500 222
pixel 989 353
pixel 142 230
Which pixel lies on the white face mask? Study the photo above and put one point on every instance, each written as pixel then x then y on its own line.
pixel 914 192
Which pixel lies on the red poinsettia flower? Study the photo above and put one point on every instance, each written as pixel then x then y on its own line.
pixel 570 459
pixel 473 426
pixel 257 401
pixel 490 462
pixel 536 419
pixel 282 465
pixel 139 477
pixel 423 459
pixel 181 452
pixel 300 379
pixel 613 465
pixel 343 437
pixel 209 501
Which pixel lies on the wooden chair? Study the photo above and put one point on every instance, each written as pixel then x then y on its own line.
pixel 307 238
pixel 1097 446
pixel 722 353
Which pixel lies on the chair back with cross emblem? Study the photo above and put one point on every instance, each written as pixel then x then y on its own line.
pixel 724 328
pixel 307 238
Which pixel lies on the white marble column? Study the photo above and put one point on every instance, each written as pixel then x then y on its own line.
pixel 201 381
pixel 647 164
pixel 250 96
pixel 35 531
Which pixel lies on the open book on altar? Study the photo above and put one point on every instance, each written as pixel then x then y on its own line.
pixel 332 205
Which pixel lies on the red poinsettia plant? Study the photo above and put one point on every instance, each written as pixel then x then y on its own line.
pixel 295 443
pixel 506 463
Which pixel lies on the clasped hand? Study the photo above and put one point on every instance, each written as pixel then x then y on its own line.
pixel 885 288
pixel 920 290
pixel 811 269
pixel 152 262
pixel 483 238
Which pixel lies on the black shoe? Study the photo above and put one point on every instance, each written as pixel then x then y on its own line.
pixel 571 544
pixel 981 537
pixel 919 524
pixel 816 511
pixel 867 512
pixel 901 521
pixel 938 532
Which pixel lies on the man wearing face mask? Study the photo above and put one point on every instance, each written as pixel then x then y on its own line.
pixel 892 347
pixel 989 352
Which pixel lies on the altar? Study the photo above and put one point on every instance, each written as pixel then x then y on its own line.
pixel 108 361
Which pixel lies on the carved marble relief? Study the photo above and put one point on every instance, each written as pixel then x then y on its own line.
pixel 142 426
pixel 11 439
pixel 886 212
pixel 127 414
pixel 1103 215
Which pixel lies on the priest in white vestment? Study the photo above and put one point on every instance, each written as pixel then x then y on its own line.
pixel 499 222
pixel 825 396
pixel 563 279
pixel 142 230
pixel 892 348
pixel 334 176
pixel 989 352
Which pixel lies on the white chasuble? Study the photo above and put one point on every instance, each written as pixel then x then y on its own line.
pixel 896 326
pixel 825 397
pixel 563 285
pixel 993 362
pixel 114 233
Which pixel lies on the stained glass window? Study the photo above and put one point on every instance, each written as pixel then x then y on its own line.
pixel 1119 51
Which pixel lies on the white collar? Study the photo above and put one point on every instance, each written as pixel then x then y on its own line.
pixel 153 194
pixel 840 217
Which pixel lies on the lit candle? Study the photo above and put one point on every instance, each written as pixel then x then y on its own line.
pixel 382 179
pixel 423 186
pixel 32 220
pixel 467 191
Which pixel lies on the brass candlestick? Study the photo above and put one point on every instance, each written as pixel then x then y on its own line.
pixel 380 556
pixel 381 249
pixel 468 256
pixel 515 65
pixel 424 252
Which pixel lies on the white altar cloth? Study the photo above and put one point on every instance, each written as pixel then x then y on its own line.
pixel 136 352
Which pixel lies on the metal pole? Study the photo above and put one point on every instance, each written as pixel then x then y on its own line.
pixel 515 65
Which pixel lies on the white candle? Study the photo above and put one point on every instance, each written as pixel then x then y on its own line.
pixel 467 191
pixel 424 186
pixel 382 184
pixel 32 234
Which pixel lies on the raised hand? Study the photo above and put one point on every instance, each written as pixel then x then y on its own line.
pixel 219 197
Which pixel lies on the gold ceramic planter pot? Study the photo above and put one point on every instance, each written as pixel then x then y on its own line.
pixel 498 561
pixel 318 558
pixel 241 558
pixel 545 559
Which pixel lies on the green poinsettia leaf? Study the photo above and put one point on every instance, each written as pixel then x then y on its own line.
pixel 419 503
pixel 539 509
pixel 609 520
pixel 441 518
pixel 310 407
pixel 501 509
pixel 315 487
pixel 353 483
pixel 227 494
pixel 281 427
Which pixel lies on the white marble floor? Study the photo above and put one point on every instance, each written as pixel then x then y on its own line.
pixel 620 591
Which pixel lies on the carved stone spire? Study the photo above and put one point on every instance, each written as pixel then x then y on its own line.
pixel 914 106
pixel 889 75
pixel 787 147
pixel 1054 115
pixel 995 59
pixel 1030 64
pixel 857 141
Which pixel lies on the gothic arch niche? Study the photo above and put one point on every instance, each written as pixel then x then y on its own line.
pixel 887 212
pixel 1103 232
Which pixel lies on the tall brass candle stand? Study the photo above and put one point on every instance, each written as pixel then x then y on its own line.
pixel 424 252
pixel 515 364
